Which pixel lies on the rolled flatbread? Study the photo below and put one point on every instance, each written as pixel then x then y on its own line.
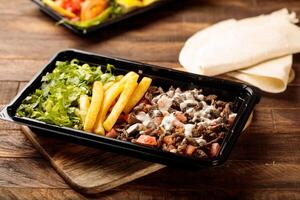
pixel 271 76
pixel 236 44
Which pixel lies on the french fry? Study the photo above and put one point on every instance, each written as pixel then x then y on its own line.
pixel 108 85
pixel 129 88
pixel 109 98
pixel 129 75
pixel 118 78
pixel 84 104
pixel 148 2
pixel 138 94
pixel 95 106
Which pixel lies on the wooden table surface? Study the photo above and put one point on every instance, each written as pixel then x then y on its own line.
pixel 265 164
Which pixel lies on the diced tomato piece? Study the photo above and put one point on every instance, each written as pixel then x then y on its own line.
pixel 180 116
pixel 215 148
pixel 126 116
pixel 147 140
pixel 77 4
pixel 190 149
pixel 123 117
pixel 112 133
pixel 64 3
pixel 169 139
pixel 72 5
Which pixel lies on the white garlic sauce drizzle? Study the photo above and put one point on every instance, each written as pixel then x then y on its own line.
pixel 188 130
pixel 190 100
pixel 201 141
pixel 164 103
pixel 169 121
pixel 144 118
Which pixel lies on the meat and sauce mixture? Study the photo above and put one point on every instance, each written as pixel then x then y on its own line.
pixel 181 122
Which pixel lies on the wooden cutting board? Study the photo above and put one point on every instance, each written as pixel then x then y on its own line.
pixel 88 170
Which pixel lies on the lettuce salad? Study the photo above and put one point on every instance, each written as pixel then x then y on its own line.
pixel 56 101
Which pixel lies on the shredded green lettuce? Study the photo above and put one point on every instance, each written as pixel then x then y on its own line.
pixel 56 101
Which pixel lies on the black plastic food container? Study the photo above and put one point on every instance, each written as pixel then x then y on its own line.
pixel 92 29
pixel 244 99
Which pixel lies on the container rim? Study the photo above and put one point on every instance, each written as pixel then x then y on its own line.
pixel 8 113
pixel 106 23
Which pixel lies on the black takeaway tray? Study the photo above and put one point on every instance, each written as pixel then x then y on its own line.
pixel 243 96
pixel 91 29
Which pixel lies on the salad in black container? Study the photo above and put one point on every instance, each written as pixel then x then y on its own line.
pixel 146 111
pixel 86 16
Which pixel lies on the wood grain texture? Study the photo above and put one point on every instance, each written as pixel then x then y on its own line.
pixel 89 170
pixel 31 173
pixel 38 194
pixel 264 163
pixel 8 91
pixel 232 175
pixel 4 125
pixel 208 194
pixel 14 144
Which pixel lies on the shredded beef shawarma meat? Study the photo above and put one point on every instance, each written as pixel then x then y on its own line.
pixel 182 122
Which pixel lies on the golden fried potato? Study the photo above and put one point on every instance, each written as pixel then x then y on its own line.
pixel 148 2
pixel 119 77
pixel 138 93
pixel 109 98
pixel 133 4
pixel 96 102
pixel 108 85
pixel 84 104
pixel 129 88
pixel 129 4
pixel 129 75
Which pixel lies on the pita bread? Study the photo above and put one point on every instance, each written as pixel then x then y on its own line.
pixel 236 44
pixel 272 76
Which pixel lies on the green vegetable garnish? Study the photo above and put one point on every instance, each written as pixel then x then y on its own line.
pixel 93 22
pixel 56 101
